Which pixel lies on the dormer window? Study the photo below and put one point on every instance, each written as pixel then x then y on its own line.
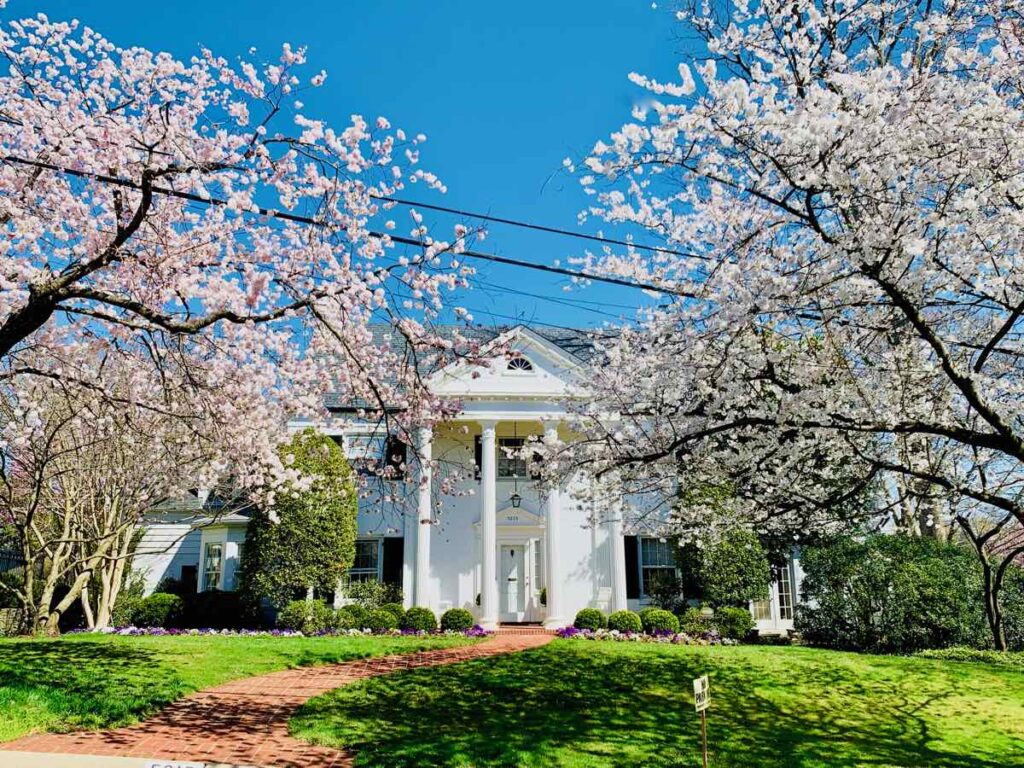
pixel 520 365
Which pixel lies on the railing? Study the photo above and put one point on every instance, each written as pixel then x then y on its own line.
pixel 10 559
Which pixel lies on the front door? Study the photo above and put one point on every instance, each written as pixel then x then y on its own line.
pixel 512 582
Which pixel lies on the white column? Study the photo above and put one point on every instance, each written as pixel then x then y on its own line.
pixel 424 520
pixel 552 522
pixel 617 547
pixel 488 528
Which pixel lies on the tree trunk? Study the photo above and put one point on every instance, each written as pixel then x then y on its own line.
pixel 992 585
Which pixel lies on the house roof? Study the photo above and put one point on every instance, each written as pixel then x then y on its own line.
pixel 578 342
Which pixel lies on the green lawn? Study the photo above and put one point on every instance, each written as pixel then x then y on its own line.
pixel 83 681
pixel 580 703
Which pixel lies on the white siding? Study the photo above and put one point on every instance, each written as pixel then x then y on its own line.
pixel 165 546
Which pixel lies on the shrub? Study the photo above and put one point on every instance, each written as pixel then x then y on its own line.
pixel 734 569
pixel 127 601
pixel 960 653
pixel 395 609
pixel 357 615
pixel 306 616
pixel 664 590
pixel 373 593
pixel 695 622
pixel 214 609
pixel 457 620
pixel 343 620
pixel 589 618
pixel 658 620
pixel 625 621
pixel 891 594
pixel 160 609
pixel 419 619
pixel 379 620
pixel 1012 603
pixel 736 623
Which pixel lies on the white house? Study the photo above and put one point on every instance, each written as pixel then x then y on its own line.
pixel 496 545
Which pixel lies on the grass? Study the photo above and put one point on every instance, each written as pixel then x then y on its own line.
pixel 84 681
pixel 589 704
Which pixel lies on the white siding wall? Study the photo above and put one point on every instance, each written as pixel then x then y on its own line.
pixel 165 546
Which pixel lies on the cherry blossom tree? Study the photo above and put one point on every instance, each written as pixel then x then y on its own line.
pixel 82 472
pixel 839 186
pixel 187 217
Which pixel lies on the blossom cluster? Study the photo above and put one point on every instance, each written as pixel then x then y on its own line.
pixel 664 637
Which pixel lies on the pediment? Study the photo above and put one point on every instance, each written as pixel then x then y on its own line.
pixel 541 369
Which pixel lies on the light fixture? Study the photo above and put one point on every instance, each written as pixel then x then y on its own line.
pixel 516 499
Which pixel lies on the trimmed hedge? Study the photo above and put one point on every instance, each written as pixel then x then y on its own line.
pixel 306 616
pixel 161 609
pixel 357 615
pixel 625 621
pixel 418 619
pixel 658 620
pixel 736 623
pixel 590 618
pixel 457 620
pixel 396 610
pixel 380 620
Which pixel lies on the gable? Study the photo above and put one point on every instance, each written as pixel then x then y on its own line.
pixel 526 364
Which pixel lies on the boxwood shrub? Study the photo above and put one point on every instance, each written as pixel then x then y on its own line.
pixel 658 620
pixel 625 621
pixel 457 620
pixel 306 616
pixel 380 620
pixel 396 610
pixel 356 615
pixel 160 609
pixel 590 618
pixel 736 623
pixel 418 619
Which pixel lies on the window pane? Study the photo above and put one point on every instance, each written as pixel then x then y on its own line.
pixel 785 594
pixel 655 552
pixel 762 610
pixel 658 576
pixel 212 565
pixel 365 565
pixel 509 466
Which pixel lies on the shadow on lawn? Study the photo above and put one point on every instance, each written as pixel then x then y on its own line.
pixel 567 704
pixel 89 684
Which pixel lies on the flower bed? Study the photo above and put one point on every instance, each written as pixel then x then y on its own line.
pixel 674 638
pixel 475 631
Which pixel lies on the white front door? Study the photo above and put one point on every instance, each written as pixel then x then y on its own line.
pixel 512 582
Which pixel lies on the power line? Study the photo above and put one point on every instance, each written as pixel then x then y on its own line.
pixel 539 227
pixel 299 219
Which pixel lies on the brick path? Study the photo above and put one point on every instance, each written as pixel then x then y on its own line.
pixel 246 721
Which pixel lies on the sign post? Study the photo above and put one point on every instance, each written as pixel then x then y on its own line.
pixel 701 700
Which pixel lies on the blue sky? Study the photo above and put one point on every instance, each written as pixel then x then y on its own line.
pixel 503 91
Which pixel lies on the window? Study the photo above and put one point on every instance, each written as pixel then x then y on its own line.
pixel 762 610
pixel 366 565
pixel 785 594
pixel 520 365
pixel 657 562
pixel 213 563
pixel 395 456
pixel 511 466
pixel 365 452
pixel 238 566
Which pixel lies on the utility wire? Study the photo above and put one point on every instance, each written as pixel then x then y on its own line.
pixel 539 227
pixel 297 218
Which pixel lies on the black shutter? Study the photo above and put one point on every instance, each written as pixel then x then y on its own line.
pixel 632 568
pixel 478 456
pixel 391 568
pixel 395 455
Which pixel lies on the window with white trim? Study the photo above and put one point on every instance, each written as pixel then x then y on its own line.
pixel 213 564
pixel 514 465
pixel 657 562
pixel 519 364
pixel 366 564
pixel 785 594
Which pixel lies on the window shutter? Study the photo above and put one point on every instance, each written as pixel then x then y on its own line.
pixel 632 568
pixel 391 568
pixel 395 455
pixel 478 456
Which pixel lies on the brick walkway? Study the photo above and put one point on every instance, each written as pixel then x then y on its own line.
pixel 246 721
